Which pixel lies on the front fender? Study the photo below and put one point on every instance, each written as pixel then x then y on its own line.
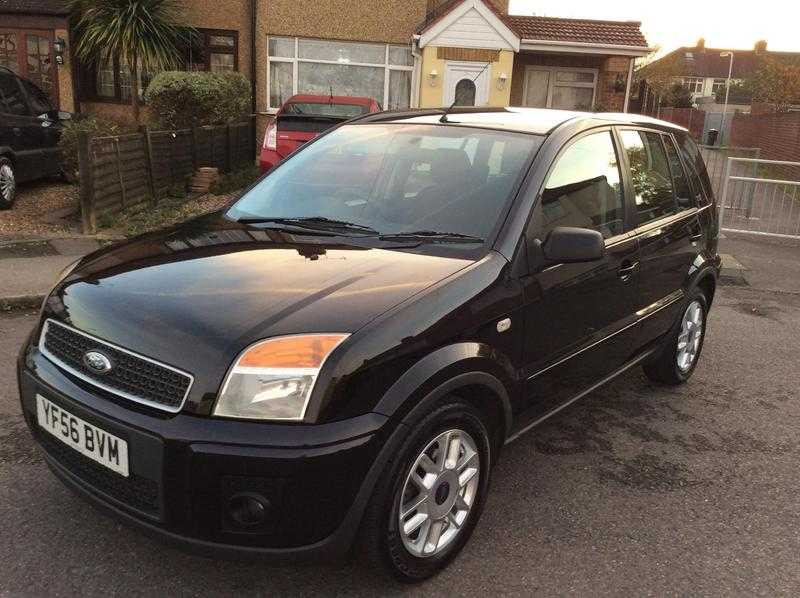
pixel 445 371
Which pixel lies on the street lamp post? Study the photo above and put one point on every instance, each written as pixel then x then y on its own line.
pixel 727 91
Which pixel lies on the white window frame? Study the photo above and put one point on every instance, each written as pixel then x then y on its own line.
pixel 552 83
pixel 695 85
pixel 295 61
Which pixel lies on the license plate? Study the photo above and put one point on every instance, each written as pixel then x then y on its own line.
pixel 89 440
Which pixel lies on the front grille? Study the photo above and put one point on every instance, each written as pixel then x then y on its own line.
pixel 132 376
pixel 135 491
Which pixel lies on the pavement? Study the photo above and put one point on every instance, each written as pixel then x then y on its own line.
pixel 28 269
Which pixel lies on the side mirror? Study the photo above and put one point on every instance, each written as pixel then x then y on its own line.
pixel 569 245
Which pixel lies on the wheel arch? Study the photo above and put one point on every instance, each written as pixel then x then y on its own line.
pixel 473 372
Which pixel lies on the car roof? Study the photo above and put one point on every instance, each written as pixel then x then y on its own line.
pixel 538 121
pixel 330 99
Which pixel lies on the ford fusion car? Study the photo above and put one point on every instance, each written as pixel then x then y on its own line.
pixel 337 359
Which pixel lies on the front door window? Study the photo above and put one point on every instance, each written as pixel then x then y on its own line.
pixel 466 84
pixel 465 93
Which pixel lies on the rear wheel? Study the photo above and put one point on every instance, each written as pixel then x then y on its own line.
pixel 8 184
pixel 431 495
pixel 677 360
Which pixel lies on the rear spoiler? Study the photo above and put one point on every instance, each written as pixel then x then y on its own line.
pixel 308 123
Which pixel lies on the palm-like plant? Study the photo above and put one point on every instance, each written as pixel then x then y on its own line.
pixel 142 34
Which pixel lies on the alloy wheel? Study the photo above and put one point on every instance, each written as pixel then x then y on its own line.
pixel 690 336
pixel 7 183
pixel 439 493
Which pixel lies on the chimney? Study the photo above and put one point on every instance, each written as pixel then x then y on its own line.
pixel 760 47
pixel 701 45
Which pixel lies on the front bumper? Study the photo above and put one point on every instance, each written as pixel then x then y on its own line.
pixel 184 471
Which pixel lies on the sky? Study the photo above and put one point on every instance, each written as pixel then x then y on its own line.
pixel 674 23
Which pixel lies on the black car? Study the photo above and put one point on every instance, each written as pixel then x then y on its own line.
pixel 337 359
pixel 29 131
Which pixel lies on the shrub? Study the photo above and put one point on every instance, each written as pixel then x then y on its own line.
pixel 181 99
pixel 236 180
pixel 68 142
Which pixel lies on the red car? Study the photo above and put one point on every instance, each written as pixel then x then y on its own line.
pixel 303 117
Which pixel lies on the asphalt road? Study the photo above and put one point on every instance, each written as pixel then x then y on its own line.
pixel 636 490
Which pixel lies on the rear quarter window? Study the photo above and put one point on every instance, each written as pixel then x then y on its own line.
pixel 695 168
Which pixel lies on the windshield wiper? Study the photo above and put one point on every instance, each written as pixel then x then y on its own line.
pixel 313 223
pixel 433 235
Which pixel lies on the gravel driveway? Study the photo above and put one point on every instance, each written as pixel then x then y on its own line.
pixel 36 201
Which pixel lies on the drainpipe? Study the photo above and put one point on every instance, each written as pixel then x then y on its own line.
pixel 628 86
pixel 253 18
pixel 253 77
pixel 416 80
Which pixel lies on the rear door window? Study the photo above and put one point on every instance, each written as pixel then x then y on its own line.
pixel 584 189
pixel 683 192
pixel 696 168
pixel 650 175
pixel 12 100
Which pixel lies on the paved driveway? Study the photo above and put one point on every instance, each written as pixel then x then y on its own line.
pixel 636 490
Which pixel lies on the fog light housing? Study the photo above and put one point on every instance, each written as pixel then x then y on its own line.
pixel 248 509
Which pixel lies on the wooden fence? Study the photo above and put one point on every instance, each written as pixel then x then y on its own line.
pixel 122 171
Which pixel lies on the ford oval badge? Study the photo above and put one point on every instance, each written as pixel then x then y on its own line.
pixel 97 362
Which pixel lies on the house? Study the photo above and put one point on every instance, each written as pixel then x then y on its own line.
pixel 34 36
pixel 704 71
pixel 404 53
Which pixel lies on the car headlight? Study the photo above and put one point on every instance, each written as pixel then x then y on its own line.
pixel 273 379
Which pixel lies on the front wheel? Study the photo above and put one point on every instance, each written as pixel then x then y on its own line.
pixel 8 184
pixel 676 361
pixel 431 495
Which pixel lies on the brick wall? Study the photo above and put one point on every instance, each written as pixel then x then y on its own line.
pixel 777 134
pixel 613 68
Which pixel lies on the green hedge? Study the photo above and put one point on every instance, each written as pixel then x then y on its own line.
pixel 181 99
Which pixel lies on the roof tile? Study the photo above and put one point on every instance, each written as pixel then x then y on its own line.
pixel 618 33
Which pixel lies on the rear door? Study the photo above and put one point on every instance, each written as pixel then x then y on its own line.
pixel 20 129
pixel 44 127
pixel 667 226
pixel 580 321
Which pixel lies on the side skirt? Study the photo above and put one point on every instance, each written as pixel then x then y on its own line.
pixel 634 362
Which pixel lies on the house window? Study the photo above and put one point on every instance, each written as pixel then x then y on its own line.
pixel 213 50
pixel 718 86
pixel 559 87
pixel 693 84
pixel 324 67
pixel 30 55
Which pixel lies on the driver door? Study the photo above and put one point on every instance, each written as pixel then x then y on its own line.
pixel 580 320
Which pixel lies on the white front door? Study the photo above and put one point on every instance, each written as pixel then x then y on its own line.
pixel 466 84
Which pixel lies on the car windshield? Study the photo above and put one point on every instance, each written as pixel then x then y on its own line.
pixel 396 179
pixel 327 109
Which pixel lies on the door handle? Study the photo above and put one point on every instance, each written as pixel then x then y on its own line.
pixel 627 270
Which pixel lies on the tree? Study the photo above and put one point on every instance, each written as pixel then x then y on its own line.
pixel 777 83
pixel 143 35
pixel 678 96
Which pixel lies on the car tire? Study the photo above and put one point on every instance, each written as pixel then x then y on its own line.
pixel 675 363
pixel 8 184
pixel 383 542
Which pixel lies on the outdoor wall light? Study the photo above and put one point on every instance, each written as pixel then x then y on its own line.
pixel 59 49
pixel 432 77
pixel 501 81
